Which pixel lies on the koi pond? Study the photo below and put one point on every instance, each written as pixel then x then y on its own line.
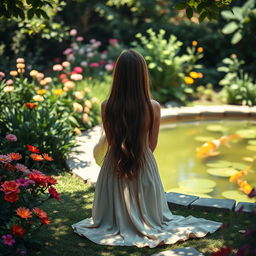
pixel 208 158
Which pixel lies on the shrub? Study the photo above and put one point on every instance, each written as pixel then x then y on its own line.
pixel 239 87
pixel 23 189
pixel 169 72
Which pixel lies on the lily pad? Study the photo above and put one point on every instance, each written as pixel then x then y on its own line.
pixel 183 191
pixel 219 164
pixel 252 142
pixel 216 128
pixel 251 147
pixel 238 196
pixel 196 184
pixel 247 133
pixel 248 159
pixel 203 138
pixel 239 166
pixel 222 172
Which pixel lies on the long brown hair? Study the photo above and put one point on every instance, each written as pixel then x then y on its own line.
pixel 125 113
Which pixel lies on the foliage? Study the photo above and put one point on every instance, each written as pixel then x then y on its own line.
pixel 23 189
pixel 239 87
pixel 169 72
pixel 241 21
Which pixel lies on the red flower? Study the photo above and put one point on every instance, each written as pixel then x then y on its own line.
pixel 62 76
pixel 15 156
pixel 36 157
pixel 10 187
pixel 33 149
pixel 39 178
pixel 30 105
pixel 18 230
pixel 40 213
pixel 54 193
pixel 51 180
pixel 24 213
pixel 9 166
pixel 224 251
pixel 45 221
pixel 47 157
pixel 12 197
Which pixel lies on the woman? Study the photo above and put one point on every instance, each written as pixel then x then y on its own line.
pixel 130 208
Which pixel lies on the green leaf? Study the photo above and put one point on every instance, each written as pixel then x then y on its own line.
pixel 227 15
pixel 230 28
pixel 30 13
pixel 222 172
pixel 202 16
pixel 236 37
pixel 189 12
pixel 180 6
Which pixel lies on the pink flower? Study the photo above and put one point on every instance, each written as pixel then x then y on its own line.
pixel 78 70
pixel 24 182
pixel 9 82
pixel 113 41
pixel 67 51
pixel 57 67
pixel 76 77
pixel 102 62
pixel 8 240
pixel 94 65
pixel 92 41
pixel 109 67
pixel 79 39
pixel 70 57
pixel 11 137
pixel 73 32
pixel 5 159
pixel 84 64
pixel 22 168
pixel 2 74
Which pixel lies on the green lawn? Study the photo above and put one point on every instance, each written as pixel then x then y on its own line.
pixel 77 198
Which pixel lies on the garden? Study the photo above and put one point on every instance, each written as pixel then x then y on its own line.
pixel 56 64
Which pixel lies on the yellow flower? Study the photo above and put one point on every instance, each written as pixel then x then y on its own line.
pixel 85 118
pixel 194 43
pixel 188 80
pixel 43 82
pixel 77 131
pixel 48 79
pixel 21 70
pixel 38 98
pixel 79 95
pixel 200 49
pixel 58 92
pixel 69 84
pixel 41 92
pixel 8 88
pixel 33 73
pixel 193 74
pixel 20 65
pixel 95 100
pixel 20 60
pixel 13 73
pixel 65 64
pixel 86 110
pixel 77 107
pixel 88 104
pixel 39 76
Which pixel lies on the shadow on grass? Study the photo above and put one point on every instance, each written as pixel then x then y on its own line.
pixel 59 239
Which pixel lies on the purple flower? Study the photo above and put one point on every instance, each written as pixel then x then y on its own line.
pixel 8 240
pixel 22 168
pixel 24 182
pixel 20 251
pixel 252 193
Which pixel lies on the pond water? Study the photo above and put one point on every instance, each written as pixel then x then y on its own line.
pixel 182 171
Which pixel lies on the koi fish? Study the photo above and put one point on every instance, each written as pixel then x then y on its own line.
pixel 240 174
pixel 209 148
pixel 244 186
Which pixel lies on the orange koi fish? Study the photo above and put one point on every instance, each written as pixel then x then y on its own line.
pixel 209 148
pixel 244 186
pixel 240 174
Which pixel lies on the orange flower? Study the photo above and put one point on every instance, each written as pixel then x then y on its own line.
pixel 47 157
pixel 200 49
pixel 24 213
pixel 200 75
pixel 40 213
pixel 36 157
pixel 30 105
pixel 45 221
pixel 193 74
pixel 194 43
pixel 33 149
pixel 15 156
pixel 11 198
pixel 18 230
pixel 188 80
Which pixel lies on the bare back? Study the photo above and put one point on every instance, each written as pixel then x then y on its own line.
pixel 153 136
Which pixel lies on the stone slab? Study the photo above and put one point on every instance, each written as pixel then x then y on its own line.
pixel 178 199
pixel 187 251
pixel 246 207
pixel 214 204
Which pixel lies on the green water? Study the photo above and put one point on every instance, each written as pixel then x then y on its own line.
pixel 177 161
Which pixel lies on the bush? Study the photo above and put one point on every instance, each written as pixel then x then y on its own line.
pixel 169 72
pixel 23 189
pixel 239 87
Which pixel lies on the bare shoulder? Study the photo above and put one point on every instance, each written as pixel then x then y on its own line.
pixel 156 106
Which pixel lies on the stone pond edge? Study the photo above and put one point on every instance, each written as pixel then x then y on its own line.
pixel 84 166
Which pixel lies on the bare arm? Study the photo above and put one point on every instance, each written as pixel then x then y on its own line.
pixel 153 136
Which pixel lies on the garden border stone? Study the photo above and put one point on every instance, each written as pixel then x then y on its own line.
pixel 83 164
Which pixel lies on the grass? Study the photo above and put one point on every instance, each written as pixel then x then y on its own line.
pixel 58 239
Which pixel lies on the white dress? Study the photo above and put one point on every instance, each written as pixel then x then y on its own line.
pixel 136 213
